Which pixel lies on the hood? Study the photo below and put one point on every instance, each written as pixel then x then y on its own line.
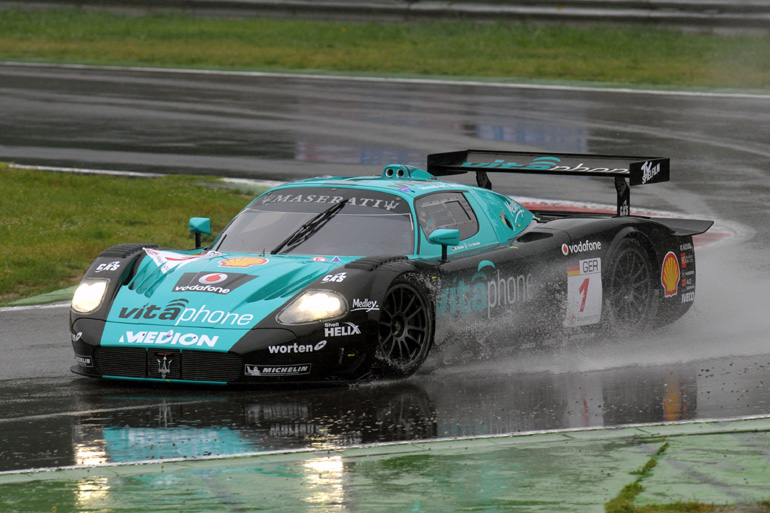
pixel 214 290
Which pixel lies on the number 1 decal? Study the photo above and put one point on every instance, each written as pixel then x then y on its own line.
pixel 584 293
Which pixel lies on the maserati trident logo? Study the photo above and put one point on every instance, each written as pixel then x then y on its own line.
pixel 164 365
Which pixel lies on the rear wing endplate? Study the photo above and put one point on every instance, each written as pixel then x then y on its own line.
pixel 627 171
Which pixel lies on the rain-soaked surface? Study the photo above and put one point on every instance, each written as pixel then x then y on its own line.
pixel 713 363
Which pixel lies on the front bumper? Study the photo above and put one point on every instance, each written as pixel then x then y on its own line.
pixel 254 359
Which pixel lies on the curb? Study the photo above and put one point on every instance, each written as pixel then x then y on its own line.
pixel 57 296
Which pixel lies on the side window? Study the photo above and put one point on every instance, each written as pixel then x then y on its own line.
pixel 446 210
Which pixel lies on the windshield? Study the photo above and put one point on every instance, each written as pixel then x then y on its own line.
pixel 286 221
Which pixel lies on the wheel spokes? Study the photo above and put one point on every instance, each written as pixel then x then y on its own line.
pixel 630 285
pixel 403 326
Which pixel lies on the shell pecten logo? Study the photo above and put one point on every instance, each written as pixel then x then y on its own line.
pixel 670 274
pixel 243 262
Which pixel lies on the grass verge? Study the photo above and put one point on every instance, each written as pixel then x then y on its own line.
pixel 624 502
pixel 54 224
pixel 502 51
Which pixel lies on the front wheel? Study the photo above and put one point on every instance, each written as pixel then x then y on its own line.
pixel 631 297
pixel 405 329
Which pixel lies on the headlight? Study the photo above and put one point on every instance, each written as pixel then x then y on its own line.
pixel 89 295
pixel 312 306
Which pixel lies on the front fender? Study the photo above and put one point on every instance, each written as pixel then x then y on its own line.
pixel 117 264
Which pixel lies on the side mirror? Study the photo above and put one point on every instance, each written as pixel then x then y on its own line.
pixel 199 225
pixel 446 237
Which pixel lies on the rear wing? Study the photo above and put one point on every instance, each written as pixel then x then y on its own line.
pixel 627 171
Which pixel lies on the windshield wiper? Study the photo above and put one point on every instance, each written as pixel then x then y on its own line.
pixel 310 228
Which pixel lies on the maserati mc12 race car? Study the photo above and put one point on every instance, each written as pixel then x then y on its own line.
pixel 348 278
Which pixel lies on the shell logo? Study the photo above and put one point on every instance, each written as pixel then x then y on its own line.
pixel 670 274
pixel 243 262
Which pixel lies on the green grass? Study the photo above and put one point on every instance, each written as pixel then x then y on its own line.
pixel 54 224
pixel 624 501
pixel 503 51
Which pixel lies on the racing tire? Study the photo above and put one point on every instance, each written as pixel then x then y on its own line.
pixel 405 328
pixel 631 297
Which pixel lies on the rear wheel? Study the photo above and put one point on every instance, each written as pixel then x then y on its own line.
pixel 405 329
pixel 631 297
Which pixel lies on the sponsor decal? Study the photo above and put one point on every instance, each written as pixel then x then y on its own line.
pixel 688 297
pixel 83 361
pixel 168 260
pixel 319 259
pixel 400 185
pixel 178 311
pixel 649 171
pixel 364 304
pixel 580 247
pixel 336 260
pixel 688 279
pixel 170 337
pixel 577 336
pixel 111 266
pixel 670 274
pixel 217 283
pixel 516 211
pixel 545 164
pixel 334 278
pixel 222 318
pixel 278 197
pixel 485 292
pixel 296 348
pixel 211 279
pixel 584 293
pixel 276 370
pixel 243 262
pixel 466 246
pixel 76 336
pixel 333 329
pixel 686 260
pixel 168 313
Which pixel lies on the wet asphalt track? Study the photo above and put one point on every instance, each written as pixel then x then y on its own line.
pixel 712 364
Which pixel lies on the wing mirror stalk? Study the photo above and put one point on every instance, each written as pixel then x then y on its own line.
pixel 199 225
pixel 446 237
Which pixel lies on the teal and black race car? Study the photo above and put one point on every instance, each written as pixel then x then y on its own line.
pixel 344 279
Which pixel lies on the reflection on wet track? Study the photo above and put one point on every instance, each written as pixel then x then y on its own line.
pixel 103 422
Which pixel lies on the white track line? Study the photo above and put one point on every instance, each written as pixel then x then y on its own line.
pixel 404 80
